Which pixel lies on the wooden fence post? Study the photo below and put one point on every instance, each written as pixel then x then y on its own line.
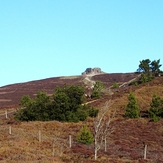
pixel 6 114
pixel 39 135
pixel 145 152
pixel 53 149
pixel 10 130
pixel 70 141
pixel 61 150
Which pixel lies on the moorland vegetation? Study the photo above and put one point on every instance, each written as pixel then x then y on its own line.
pixel 67 102
pixel 66 105
pixel 136 107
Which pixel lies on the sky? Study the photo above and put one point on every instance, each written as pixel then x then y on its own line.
pixel 50 38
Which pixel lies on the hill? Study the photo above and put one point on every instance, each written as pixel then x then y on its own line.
pixel 10 95
pixel 125 144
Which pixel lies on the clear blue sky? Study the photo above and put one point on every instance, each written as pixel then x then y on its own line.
pixel 49 38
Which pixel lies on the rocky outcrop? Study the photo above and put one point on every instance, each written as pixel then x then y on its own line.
pixel 92 71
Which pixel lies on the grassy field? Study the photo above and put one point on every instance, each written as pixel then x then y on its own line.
pixel 48 142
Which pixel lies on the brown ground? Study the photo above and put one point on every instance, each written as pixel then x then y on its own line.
pixel 125 145
pixel 10 95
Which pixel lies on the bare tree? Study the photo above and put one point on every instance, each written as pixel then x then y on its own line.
pixel 102 127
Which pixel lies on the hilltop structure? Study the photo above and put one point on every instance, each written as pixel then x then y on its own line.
pixel 92 71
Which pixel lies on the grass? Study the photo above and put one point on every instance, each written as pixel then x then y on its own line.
pixel 124 145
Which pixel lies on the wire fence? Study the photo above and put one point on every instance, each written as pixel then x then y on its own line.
pixel 55 144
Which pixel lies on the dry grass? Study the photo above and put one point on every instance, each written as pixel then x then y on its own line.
pixel 126 144
pixel 23 144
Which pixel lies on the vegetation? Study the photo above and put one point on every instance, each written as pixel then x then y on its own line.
pixel 92 112
pixel 115 85
pixel 149 70
pixel 132 108
pixel 55 135
pixel 145 78
pixel 102 128
pixel 146 66
pixel 85 136
pixel 34 109
pixel 156 109
pixel 96 93
pixel 65 105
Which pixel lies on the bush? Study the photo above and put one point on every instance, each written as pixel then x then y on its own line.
pixel 71 117
pixel 115 85
pixel 82 115
pixel 132 108
pixel 145 78
pixel 85 136
pixel 34 109
pixel 65 105
pixel 156 109
pixel 154 117
pixel 96 93
pixel 93 112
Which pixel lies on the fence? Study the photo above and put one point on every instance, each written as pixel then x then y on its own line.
pixel 55 144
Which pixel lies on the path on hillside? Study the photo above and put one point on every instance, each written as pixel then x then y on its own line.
pixel 88 81
pixel 89 102
pixel 127 83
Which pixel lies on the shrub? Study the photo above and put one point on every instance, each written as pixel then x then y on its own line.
pixel 145 78
pixel 93 112
pixel 132 108
pixel 115 85
pixel 82 115
pixel 85 136
pixel 154 117
pixel 156 109
pixel 65 105
pixel 96 93
pixel 71 117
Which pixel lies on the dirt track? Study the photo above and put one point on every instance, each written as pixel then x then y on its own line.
pixel 10 95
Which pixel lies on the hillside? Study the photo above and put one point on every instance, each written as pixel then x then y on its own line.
pixel 126 144
pixel 10 95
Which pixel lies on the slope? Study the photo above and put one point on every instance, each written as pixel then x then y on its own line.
pixel 10 95
pixel 126 144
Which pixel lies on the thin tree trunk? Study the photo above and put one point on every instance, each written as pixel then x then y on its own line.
pixel 95 154
pixel 95 148
pixel 101 128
